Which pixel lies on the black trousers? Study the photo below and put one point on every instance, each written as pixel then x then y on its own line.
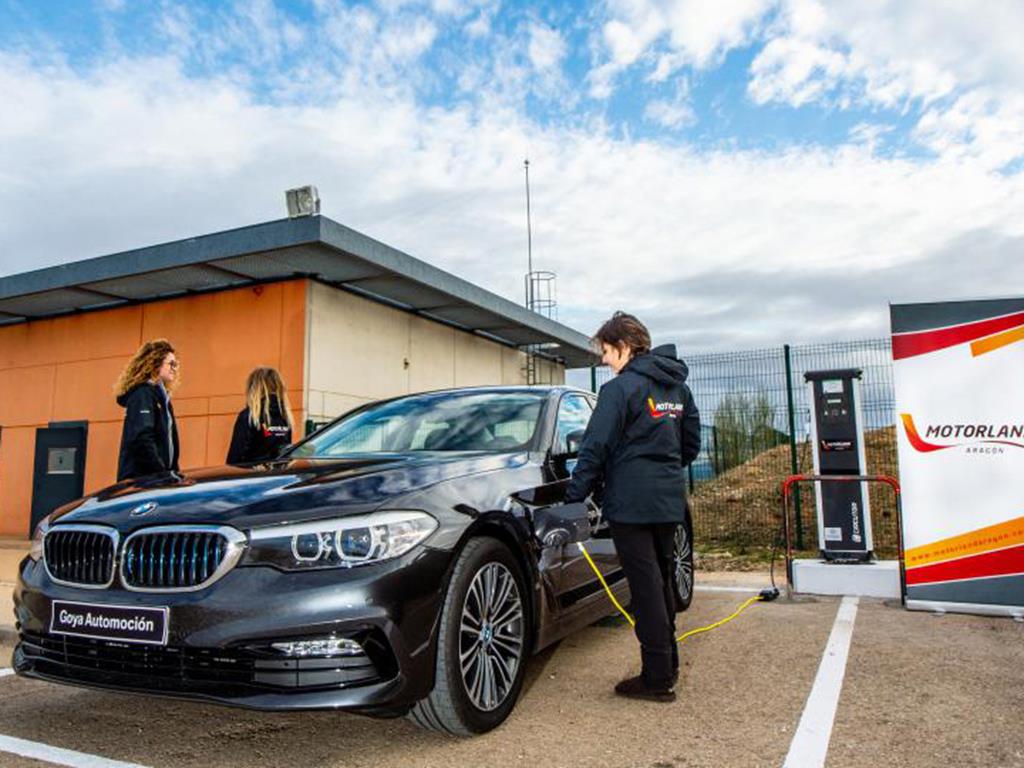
pixel 645 552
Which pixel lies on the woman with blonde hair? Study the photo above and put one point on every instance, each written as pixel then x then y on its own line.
pixel 149 437
pixel 264 426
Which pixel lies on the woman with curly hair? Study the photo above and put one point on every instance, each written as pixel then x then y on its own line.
pixel 149 438
pixel 265 425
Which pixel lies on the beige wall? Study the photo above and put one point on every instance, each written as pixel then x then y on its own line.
pixel 360 351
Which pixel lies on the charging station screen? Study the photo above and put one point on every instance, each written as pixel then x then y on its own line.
pixel 959 374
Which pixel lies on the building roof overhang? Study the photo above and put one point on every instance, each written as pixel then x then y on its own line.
pixel 310 247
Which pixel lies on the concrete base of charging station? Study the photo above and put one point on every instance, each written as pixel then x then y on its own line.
pixel 817 577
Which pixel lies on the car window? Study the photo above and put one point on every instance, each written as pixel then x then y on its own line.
pixel 448 421
pixel 373 436
pixel 573 415
pixel 427 434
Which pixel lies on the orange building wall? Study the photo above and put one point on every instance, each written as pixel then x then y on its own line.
pixel 64 369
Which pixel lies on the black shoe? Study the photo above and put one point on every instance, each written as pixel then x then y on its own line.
pixel 636 688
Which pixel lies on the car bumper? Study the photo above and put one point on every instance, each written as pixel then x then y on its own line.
pixel 218 639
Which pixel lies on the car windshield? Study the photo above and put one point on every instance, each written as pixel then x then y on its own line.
pixel 450 421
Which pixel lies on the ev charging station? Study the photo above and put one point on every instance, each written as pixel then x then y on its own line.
pixel 837 435
pixel 846 565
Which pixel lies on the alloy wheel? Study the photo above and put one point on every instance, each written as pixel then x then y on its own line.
pixel 491 636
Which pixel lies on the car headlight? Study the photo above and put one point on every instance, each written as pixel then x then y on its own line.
pixel 36 552
pixel 339 542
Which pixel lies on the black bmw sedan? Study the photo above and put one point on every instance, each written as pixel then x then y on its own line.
pixel 407 558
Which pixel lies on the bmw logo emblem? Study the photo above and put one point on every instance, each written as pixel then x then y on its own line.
pixel 144 509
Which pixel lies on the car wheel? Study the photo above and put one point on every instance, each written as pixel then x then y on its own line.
pixel 682 560
pixel 482 645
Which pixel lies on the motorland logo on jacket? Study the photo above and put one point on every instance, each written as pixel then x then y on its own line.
pixel 661 410
pixel 976 438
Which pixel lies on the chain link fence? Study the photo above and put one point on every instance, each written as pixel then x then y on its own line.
pixel 755 417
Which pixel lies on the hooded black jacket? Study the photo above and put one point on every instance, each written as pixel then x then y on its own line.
pixel 644 431
pixel 145 448
pixel 249 443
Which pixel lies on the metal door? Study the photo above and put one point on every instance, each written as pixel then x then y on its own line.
pixel 59 475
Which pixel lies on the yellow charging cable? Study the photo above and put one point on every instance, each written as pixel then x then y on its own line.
pixel 632 621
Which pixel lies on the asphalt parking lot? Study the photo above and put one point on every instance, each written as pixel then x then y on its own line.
pixel 919 690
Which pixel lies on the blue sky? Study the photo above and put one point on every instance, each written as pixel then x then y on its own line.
pixel 687 155
pixel 89 33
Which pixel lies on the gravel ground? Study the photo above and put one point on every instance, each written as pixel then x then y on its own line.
pixel 930 690
pixel 920 691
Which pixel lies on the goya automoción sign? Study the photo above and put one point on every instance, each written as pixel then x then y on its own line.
pixel 959 371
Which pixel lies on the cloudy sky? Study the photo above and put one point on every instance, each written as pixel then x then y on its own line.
pixel 737 173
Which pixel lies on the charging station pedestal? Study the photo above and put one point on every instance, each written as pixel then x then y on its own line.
pixel 846 565
pixel 837 437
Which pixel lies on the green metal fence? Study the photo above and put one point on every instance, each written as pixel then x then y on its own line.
pixel 755 416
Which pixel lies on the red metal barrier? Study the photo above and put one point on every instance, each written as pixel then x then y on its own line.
pixel 892 482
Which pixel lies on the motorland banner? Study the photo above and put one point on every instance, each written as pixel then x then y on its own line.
pixel 959 375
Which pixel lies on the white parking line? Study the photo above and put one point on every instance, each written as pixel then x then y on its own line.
pixel 810 742
pixel 58 756
pixel 5 671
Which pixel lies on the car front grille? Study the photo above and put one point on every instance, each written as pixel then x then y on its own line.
pixel 225 673
pixel 82 555
pixel 167 558
pixel 178 558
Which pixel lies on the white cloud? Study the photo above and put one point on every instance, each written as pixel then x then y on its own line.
pixel 546 48
pixel 669 114
pixel 959 62
pixel 675 32
pixel 714 248
pixel 137 152
pixel 479 26
pixel 795 71
pixel 675 112
pixel 408 40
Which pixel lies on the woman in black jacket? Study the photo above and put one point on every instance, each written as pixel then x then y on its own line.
pixel 149 437
pixel 264 426
pixel 644 431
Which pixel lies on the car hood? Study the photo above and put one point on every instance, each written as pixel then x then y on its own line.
pixel 276 492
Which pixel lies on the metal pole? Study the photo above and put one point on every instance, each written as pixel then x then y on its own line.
pixel 529 240
pixel 794 470
pixel 593 379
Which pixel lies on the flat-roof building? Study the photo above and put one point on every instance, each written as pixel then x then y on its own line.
pixel 346 319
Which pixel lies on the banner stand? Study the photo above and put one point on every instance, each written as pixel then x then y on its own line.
pixel 959 380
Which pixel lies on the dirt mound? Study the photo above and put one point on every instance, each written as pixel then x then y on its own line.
pixel 742 506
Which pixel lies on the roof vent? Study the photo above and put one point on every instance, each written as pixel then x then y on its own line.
pixel 303 201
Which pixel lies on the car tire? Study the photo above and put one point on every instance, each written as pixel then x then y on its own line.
pixel 460 704
pixel 682 562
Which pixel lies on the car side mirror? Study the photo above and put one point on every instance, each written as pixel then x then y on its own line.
pixel 562 524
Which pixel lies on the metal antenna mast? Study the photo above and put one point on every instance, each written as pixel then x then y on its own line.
pixel 540 291
pixel 529 239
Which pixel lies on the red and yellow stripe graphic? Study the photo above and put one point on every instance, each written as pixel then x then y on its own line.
pixel 915 438
pixel 998 341
pixel 997 550
pixel 654 409
pixel 1000 329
